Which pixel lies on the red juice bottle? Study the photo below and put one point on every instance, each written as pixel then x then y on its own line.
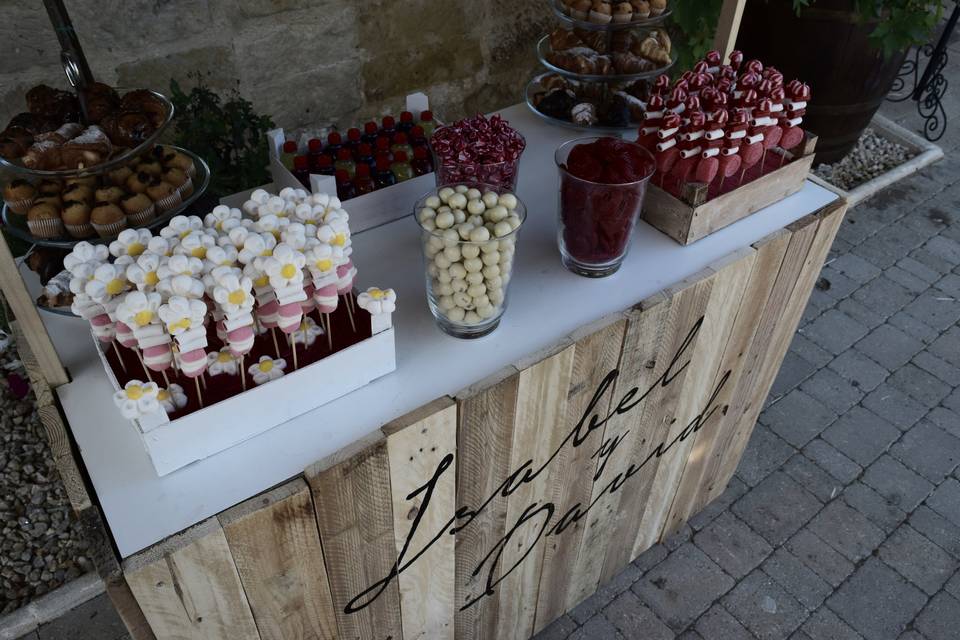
pixel 383 147
pixel 388 126
pixel 334 144
pixel 384 176
pixel 400 144
pixel 363 183
pixel 406 122
pixel 314 152
pixel 421 163
pixel 289 150
pixel 370 133
pixel 345 189
pixel 353 139
pixel 324 166
pixel 345 162
pixel 428 124
pixel 400 167
pixel 301 170
pixel 417 137
pixel 365 155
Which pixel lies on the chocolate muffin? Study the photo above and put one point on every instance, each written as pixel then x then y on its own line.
pixel 76 219
pixel 108 219
pixel 44 221
pixel 19 196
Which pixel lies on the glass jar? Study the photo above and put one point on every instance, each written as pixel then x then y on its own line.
pixel 502 175
pixel 597 219
pixel 468 236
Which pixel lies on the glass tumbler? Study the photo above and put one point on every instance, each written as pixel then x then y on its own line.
pixel 468 236
pixel 596 219
pixel 502 175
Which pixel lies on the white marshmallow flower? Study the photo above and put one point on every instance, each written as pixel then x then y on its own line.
pixel 108 280
pixel 267 369
pixel 162 246
pixel 335 232
pixel 284 267
pixel 143 272
pixel 223 362
pixel 181 226
pixel 196 244
pixel 233 294
pixel 256 245
pixel 84 252
pixel 234 238
pixel 222 219
pixel 272 224
pixel 172 398
pixel 137 399
pixel 181 314
pixel 139 309
pixel 308 332
pixel 131 242
pixel 294 235
pixel 180 265
pixel 322 259
pixel 377 301
pixel 225 256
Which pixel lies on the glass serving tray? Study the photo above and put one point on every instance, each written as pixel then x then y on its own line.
pixel 21 171
pixel 534 86
pixel 543 49
pixel 558 8
pixel 16 225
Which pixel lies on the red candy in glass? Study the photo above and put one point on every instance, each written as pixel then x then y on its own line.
pixel 478 150
pixel 602 187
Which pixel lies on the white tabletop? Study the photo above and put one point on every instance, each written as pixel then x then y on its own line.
pixel 546 304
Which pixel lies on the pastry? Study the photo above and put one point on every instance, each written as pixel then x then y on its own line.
pixel 119 176
pixel 139 209
pixel 54 201
pixel 19 196
pixel 657 7
pixel 623 12
pixel 66 132
pixel 88 149
pixel 102 100
pixel 107 219
pixel 113 195
pixel 127 128
pixel 49 188
pixel 78 193
pixel 580 9
pixel 600 12
pixel 86 181
pixel 53 103
pixel 76 219
pixel 641 9
pixel 145 102
pixel 164 196
pixel 626 63
pixel 56 292
pixel 614 113
pixel 556 104
pixel 180 181
pixel 183 162
pixel 584 114
pixel 652 49
pixel 43 156
pixel 44 221
pixel 561 39
pixel 152 168
pixel 138 182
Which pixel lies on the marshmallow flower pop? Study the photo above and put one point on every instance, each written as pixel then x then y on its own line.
pixel 232 294
pixel 81 264
pixel 139 311
pixel 285 270
pixel 322 260
pixel 184 321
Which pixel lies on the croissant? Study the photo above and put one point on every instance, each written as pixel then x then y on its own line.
pixel 651 49
pixel 128 128
pixel 664 39
pixel 147 103
pixel 641 9
pixel 577 60
pixel 596 40
pixel 44 156
pixel 620 41
pixel 584 114
pixel 61 135
pixel 628 63
pixel 561 40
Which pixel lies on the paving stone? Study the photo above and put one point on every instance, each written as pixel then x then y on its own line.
pixel 946 419
pixel 634 620
pixel 793 371
pixel 597 628
pixel 920 384
pixel 651 557
pixel 861 435
pixel 884 296
pixel 928 450
pixel 860 370
pixel 953 586
pixel 800 635
pixel 855 267
pixel 832 390
pixel 835 331
pixel 594 603
pixel 952 401
pixel 938 367
pixel 812 478
pixel 913 327
pixel 682 587
pixel 935 308
pixel 876 601
pixel 559 629
pixel 895 406
pixel 935 527
pixel 731 494
pixel 824 624
pixel 96 618
pixel 777 507
pixel 940 619
pixel 820 557
pixel 947 346
pixel 889 347
pixel 907 280
pixel 932 261
pixel 875 507
pixel 678 538
pixel 896 483
pixel 810 351
pixel 732 545
pixel 889 243
pixel 690 634
pixel 847 530
pixel 944 248
pixel 832 461
pixel 949 284
pixel 797 417
pixel 764 607
pixel 945 500
pixel 918 559
pixel 835 284
pixel 764 453
pixel 920 270
pixel 797 578
pixel 718 623
pixel 870 318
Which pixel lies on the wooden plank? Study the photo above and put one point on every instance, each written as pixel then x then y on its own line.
pixel 275 545
pixel 596 354
pixel 354 508
pixel 188 587
pixel 485 422
pixel 122 599
pixel 538 433
pixel 17 296
pixel 728 26
pixel 418 444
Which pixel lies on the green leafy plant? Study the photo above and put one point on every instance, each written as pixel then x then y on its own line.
pixel 226 132
pixel 694 24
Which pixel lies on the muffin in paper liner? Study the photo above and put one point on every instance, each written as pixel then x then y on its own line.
pixel 142 217
pixel 20 207
pixel 47 228
pixel 110 230
pixel 165 204
pixel 186 189
pixel 80 231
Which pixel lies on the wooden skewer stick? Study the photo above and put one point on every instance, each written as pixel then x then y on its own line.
pixel 165 378
pixel 353 325
pixel 243 374
pixel 276 345
pixel 116 350
pixel 203 381
pixel 146 371
pixel 293 346
pixel 196 382
pixel 329 327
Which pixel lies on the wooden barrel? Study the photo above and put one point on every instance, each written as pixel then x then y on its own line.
pixel 827 47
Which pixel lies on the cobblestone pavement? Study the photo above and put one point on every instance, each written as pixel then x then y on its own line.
pixel 843 520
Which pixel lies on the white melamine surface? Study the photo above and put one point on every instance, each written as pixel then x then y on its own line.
pixel 546 304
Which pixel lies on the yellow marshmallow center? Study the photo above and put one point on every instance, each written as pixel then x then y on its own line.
pixel 151 278
pixel 199 252
pixel 376 294
pixel 163 394
pixel 224 357
pixel 236 297
pixel 116 286
pixel 340 239
pixel 288 271
pixel 183 323
pixel 266 366
pixel 262 281
pixel 134 392
pixel 325 264
pixel 143 318
pixel 135 248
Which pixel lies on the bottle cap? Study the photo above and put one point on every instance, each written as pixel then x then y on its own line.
pixel 334 138
pixel 400 138
pixel 289 146
pixel 426 116
pixel 363 170
pixel 389 122
pixel 315 145
pixel 406 116
pixel 383 164
pixel 324 161
pixel 353 135
pixel 416 132
pixel 300 162
pixel 364 149
pixel 371 128
pixel 342 175
pixel 344 154
pixel 420 153
pixel 400 156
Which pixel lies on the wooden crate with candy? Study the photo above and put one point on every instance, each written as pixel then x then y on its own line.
pixel 728 142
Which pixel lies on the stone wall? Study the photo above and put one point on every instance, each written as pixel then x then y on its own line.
pixel 304 62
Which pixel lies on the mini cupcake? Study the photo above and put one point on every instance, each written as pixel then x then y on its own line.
pixel 119 176
pixel 580 9
pixel 78 193
pixel 138 183
pixel 84 181
pixel 19 196
pixel 54 201
pixel 113 195
pixel 180 181
pixel 108 219
pixel 139 209
pixel 182 162
pixel 163 195
pixel 657 7
pixel 623 12
pixel 641 9
pixel 49 188
pixel 44 221
pixel 76 219
pixel 152 168
pixel 600 12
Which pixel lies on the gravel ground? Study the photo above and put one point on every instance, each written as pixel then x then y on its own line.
pixel 41 547
pixel 872 156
